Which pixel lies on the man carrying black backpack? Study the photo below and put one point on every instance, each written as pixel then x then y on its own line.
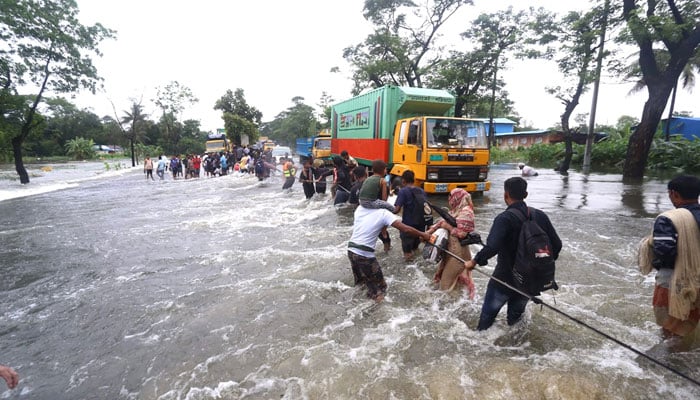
pixel 503 240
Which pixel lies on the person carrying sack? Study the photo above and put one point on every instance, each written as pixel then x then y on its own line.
pixel 673 250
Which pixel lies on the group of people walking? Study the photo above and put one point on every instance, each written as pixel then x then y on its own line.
pixel 212 164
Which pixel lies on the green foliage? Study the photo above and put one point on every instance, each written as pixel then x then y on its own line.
pixel 473 75
pixel 401 48
pixel 678 154
pixel 45 49
pixel 297 121
pixel 667 35
pixel 80 148
pixel 239 117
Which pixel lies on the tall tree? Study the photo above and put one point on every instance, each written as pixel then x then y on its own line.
pixel 687 78
pixel 46 48
pixel 402 46
pixel 578 40
pixel 673 26
pixel 132 126
pixel 473 74
pixel 172 99
pixel 297 121
pixel 239 117
pixel 325 104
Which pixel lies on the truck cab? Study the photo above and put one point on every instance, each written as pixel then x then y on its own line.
pixel 321 148
pixel 217 142
pixel 444 153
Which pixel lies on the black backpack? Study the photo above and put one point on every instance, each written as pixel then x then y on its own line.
pixel 534 268
pixel 422 202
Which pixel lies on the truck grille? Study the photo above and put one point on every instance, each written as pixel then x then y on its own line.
pixel 458 174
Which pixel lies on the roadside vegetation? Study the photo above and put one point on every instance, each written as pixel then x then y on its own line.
pixel 676 155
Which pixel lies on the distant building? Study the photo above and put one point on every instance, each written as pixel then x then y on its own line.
pixel 507 138
pixel 687 127
pixel 501 125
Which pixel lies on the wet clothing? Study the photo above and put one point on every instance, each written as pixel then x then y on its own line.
pixel 503 240
pixel 412 211
pixel 342 178
pixel 307 182
pixel 666 237
pixel 370 194
pixel 371 188
pixel 289 175
pixel 320 175
pixel 450 268
pixel 368 223
pixel 676 257
pixel 148 168
pixel 366 271
pixel 161 168
pixel 411 215
pixel 354 197
pixel 343 183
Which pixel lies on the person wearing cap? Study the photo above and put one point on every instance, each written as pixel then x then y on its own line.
pixel 526 170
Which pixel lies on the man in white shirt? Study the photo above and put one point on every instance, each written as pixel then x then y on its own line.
pixel 365 267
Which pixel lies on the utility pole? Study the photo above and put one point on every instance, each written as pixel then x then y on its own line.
pixel 596 86
pixel 492 128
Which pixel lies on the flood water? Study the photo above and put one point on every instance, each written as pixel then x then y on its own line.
pixel 118 288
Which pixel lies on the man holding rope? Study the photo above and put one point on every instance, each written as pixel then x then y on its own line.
pixel 503 240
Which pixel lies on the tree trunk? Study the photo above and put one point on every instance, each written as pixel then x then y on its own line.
pixel 642 137
pixel 133 154
pixel 19 164
pixel 568 154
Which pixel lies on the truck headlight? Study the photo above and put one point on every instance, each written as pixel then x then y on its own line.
pixel 483 174
pixel 432 176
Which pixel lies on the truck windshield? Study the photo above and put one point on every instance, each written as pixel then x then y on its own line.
pixel 323 144
pixel 215 145
pixel 444 132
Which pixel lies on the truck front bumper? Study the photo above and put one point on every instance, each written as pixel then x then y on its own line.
pixel 437 187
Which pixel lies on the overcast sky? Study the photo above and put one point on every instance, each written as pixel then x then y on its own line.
pixel 275 50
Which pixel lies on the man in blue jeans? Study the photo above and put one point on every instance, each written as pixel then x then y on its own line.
pixel 503 240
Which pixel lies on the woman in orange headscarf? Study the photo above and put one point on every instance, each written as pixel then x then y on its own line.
pixel 451 271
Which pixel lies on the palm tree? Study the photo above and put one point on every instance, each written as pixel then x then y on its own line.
pixel 134 119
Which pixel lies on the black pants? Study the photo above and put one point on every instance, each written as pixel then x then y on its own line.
pixel 288 182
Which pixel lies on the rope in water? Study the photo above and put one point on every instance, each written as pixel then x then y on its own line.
pixel 539 301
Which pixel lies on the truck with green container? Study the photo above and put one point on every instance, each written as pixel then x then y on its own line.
pixel 414 129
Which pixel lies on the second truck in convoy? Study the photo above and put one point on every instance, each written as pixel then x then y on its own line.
pixel 414 129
